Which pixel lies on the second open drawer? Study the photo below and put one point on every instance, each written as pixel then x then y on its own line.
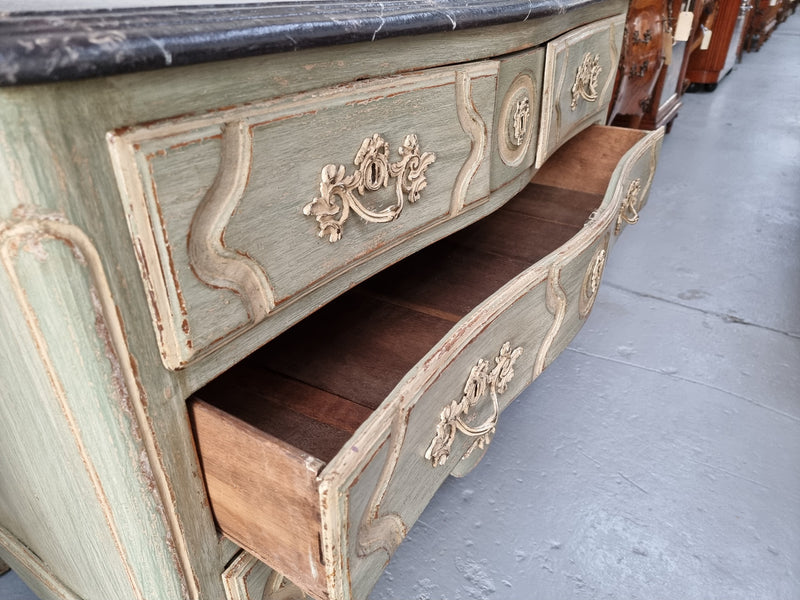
pixel 322 449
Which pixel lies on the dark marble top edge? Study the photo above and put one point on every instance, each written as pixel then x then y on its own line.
pixel 37 47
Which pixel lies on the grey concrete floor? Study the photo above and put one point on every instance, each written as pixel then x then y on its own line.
pixel 659 456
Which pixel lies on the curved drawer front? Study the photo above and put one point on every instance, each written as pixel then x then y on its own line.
pixel 625 195
pixel 635 179
pixel 378 489
pixel 237 214
pixel 516 114
pixel 331 528
pixel 579 74
pixel 441 419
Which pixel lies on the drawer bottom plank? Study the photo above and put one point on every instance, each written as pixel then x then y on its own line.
pixel 357 348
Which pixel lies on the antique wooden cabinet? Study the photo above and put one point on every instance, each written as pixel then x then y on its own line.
pixel 642 59
pixel 648 95
pixel 672 83
pixel 708 66
pixel 219 379
pixel 762 22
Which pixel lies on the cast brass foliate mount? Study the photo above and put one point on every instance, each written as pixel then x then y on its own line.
pixel 586 79
pixel 373 172
pixel 451 419
pixel 593 275
pixel 629 210
pixel 591 279
pixel 521 119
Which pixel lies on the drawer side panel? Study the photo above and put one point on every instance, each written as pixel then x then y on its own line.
pixel 264 494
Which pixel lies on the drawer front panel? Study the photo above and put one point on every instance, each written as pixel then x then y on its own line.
pixel 239 213
pixel 396 464
pixel 409 453
pixel 517 110
pixel 636 178
pixel 579 74
pixel 441 418
pixel 579 278
pixel 575 283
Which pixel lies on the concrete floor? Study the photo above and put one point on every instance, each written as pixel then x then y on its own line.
pixel 659 456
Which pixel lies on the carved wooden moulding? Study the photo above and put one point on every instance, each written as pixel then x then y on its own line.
pixel 634 186
pixel 591 280
pixel 519 109
pixel 631 205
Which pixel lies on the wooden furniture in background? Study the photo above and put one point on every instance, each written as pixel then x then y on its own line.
pixel 641 61
pixel 708 67
pixel 668 93
pixel 787 7
pixel 763 21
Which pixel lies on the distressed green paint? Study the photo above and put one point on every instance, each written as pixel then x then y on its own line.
pixel 54 159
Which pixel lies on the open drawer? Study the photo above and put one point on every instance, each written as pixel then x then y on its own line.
pixel 322 449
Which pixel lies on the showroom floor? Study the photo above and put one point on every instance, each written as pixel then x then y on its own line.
pixel 659 456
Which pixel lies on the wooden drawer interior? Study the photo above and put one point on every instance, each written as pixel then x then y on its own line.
pixel 301 397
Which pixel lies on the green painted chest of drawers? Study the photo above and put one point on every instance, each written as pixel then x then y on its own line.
pixel 255 311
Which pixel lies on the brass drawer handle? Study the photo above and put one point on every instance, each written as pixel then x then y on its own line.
pixel 591 279
pixel 629 210
pixel 585 85
pixel 479 380
pixel 373 173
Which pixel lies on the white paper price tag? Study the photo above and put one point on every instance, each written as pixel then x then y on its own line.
pixel 706 39
pixel 684 26
pixel 667 48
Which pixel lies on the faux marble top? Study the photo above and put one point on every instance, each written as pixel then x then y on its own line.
pixel 40 42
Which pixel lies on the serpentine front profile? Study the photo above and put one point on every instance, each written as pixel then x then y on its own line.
pixel 257 306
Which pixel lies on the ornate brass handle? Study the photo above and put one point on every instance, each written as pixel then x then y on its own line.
pixel 591 279
pixel 372 173
pixel 479 381
pixel 586 79
pixel 629 210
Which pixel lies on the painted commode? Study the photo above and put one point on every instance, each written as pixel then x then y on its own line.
pixel 219 377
